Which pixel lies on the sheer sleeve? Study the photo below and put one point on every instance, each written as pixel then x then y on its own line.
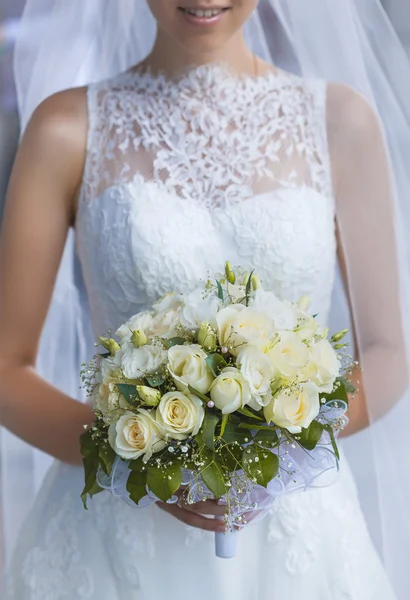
pixel 374 253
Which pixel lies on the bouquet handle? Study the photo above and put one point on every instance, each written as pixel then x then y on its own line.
pixel 226 544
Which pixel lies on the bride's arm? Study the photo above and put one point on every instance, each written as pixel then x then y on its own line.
pixel 39 211
pixel 368 253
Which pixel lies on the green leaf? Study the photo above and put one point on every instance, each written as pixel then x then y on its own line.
pixel 155 381
pixel 212 474
pixel 104 355
pixel 128 391
pixel 248 288
pixel 234 434
pixel 220 291
pixel 338 393
pixel 331 433
pixel 249 413
pixel 225 420
pixel 260 465
pixel 200 395
pixel 310 437
pixel 176 341
pixel 91 461
pixel 208 429
pixel 267 438
pixel 349 386
pixel 164 481
pixel 231 457
pixel 107 457
pixel 137 485
pixel 216 363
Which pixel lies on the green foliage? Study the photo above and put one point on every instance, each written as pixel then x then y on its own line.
pixel 309 438
pixel 212 474
pixel 260 465
pixel 129 392
pixel 164 481
pixel 248 289
pixel 198 394
pixel 107 457
pixel 220 291
pixel 137 485
pixel 267 437
pixel 176 341
pixel 233 433
pixel 216 363
pixel 208 429
pixel 331 433
pixel 231 457
pixel 155 381
pixel 91 461
pixel 246 412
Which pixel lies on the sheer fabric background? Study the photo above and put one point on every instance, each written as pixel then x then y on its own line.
pixel 319 38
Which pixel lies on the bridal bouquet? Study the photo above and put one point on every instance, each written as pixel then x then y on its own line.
pixel 226 392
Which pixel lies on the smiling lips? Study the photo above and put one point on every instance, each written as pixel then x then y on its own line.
pixel 203 16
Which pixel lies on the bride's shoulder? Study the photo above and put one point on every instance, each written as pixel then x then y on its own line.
pixel 62 118
pixel 350 115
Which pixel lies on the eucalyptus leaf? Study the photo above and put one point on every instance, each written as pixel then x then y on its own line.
pixel 216 363
pixel 176 341
pixel 310 437
pixel 212 475
pixel 260 465
pixel 164 481
pixel 128 391
pixel 137 485
pixel 208 429
pixel 155 381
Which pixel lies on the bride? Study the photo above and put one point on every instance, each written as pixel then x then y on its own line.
pixel 204 152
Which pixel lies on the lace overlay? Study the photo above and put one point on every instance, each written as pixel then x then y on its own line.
pixel 180 176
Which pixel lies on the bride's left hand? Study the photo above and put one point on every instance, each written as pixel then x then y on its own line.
pixel 200 515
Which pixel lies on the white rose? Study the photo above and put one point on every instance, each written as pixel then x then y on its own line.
pixel 180 415
pixel 142 321
pixel 281 312
pixel 295 408
pixel 109 401
pixel 188 367
pixel 323 366
pixel 258 371
pixel 199 308
pixel 230 391
pixel 239 325
pixel 135 435
pixel 139 362
pixel 110 371
pixel 165 324
pixel 169 302
pixel 289 356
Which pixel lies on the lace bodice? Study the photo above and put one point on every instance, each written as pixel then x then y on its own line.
pixel 184 174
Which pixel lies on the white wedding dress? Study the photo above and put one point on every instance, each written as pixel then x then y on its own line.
pixel 180 177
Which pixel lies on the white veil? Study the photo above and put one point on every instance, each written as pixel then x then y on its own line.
pixel 338 40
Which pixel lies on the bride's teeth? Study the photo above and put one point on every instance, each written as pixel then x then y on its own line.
pixel 207 14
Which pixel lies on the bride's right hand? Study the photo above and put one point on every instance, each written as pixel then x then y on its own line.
pixel 203 515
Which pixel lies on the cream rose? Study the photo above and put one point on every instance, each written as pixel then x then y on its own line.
pixel 135 435
pixel 258 371
pixel 109 401
pixel 188 367
pixel 230 391
pixel 138 362
pixel 142 321
pixel 323 366
pixel 289 356
pixel 180 415
pixel 295 408
pixel 239 325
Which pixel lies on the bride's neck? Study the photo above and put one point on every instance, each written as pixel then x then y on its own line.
pixel 169 57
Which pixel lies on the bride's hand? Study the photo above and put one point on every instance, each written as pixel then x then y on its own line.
pixel 194 514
